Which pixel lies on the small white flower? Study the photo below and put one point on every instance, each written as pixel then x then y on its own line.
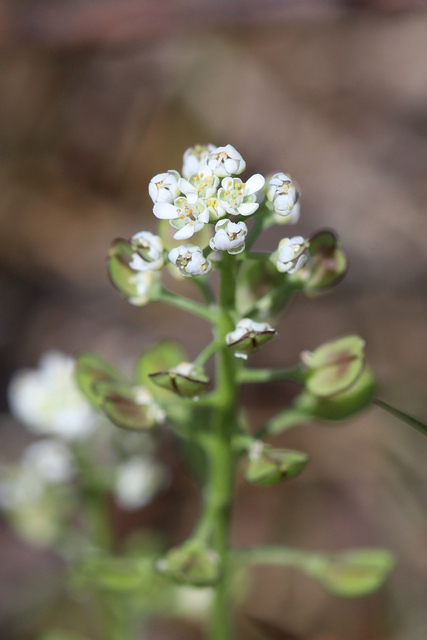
pixel 148 254
pixel 50 460
pixel 194 157
pixel 190 260
pixel 229 236
pixel 164 187
pixel 226 161
pixel 282 193
pixel 154 411
pixel 238 197
pixel 249 336
pixel 193 602
pixel 186 215
pixel 203 183
pixel 137 482
pixel 144 283
pixel 48 401
pixel 292 218
pixel 291 254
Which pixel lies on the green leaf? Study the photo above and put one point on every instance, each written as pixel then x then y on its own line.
pixel 353 573
pixel 160 357
pixel 92 369
pixel 126 406
pixel 401 415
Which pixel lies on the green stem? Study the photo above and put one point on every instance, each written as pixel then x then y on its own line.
pixel 208 352
pixel 284 556
pixel 246 376
pixel 221 456
pixel 203 283
pixel 282 422
pixel 262 221
pixel 186 304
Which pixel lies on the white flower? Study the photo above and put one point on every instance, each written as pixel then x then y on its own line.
pixel 186 214
pixel 144 398
pixel 50 460
pixel 194 157
pixel 190 260
pixel 282 193
pixel 137 482
pixel 193 602
pixel 229 236
pixel 226 161
pixel 48 401
pixel 144 283
pixel 292 218
pixel 291 254
pixel 164 187
pixel 237 197
pixel 148 254
pixel 249 336
pixel 203 183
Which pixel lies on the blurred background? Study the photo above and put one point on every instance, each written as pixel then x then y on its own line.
pixel 96 97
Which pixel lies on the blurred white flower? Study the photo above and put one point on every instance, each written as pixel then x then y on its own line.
pixel 144 283
pixel 48 401
pixel 190 260
pixel 19 486
pixel 143 397
pixel 137 482
pixel 282 193
pixel 226 161
pixel 193 602
pixel 188 215
pixel 164 187
pixel 291 254
pixel 292 218
pixel 49 459
pixel 148 254
pixel 229 236
pixel 194 157
pixel 238 197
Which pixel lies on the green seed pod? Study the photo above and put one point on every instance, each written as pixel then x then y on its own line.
pixel 327 265
pixel 186 379
pixel 135 285
pixel 129 407
pixel 192 563
pixel 268 466
pixel 92 369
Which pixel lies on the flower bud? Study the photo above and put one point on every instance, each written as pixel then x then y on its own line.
pixel 229 236
pixel 226 161
pixel 190 260
pixel 194 157
pixel 327 264
pixel 192 563
pixel 283 194
pixel 249 336
pixel 269 466
pixel 148 252
pixel 291 255
pixel 164 187
pixel 124 269
pixel 186 379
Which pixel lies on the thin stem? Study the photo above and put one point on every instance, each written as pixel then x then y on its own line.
pixel 186 304
pixel 208 352
pixel 263 256
pixel 284 556
pixel 262 221
pixel 203 283
pixel 282 422
pixel 246 376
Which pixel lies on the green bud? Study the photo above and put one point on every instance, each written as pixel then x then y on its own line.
pixel 91 369
pixel 334 366
pixel 186 379
pixel 249 336
pixel 192 563
pixel 269 466
pixel 327 266
pixel 136 286
pixel 341 405
pixel 128 407
pixel 354 573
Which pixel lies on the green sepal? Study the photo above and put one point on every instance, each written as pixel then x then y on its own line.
pixel 125 279
pixel 335 365
pixel 341 405
pixel 353 573
pixel 121 404
pixel 192 563
pixel 162 356
pixel 185 384
pixel 268 466
pixel 327 266
pixel 90 369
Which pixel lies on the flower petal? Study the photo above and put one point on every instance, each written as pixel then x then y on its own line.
pixel 165 211
pixel 247 208
pixel 254 184
pixel 184 233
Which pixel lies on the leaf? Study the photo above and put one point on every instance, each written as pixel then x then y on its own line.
pixel 122 404
pixel 92 369
pixel 270 631
pixel 353 573
pixel 401 415
pixel 160 357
